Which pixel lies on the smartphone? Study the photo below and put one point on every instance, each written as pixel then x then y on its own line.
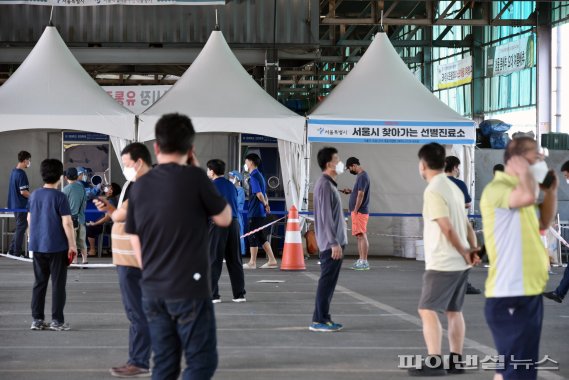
pixel 548 180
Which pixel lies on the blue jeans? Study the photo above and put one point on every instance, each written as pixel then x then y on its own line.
pixel 563 286
pixel 19 233
pixel 515 323
pixel 138 334
pixel 182 325
pixel 329 273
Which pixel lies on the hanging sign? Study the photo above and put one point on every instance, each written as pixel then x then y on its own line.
pixel 455 73
pixel 390 132
pixel 511 57
pixel 75 3
pixel 136 98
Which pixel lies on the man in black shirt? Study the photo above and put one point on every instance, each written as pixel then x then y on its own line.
pixel 168 216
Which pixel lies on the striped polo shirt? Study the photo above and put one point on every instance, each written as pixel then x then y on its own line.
pixel 518 258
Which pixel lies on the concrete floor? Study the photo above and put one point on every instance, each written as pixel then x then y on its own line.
pixel 265 338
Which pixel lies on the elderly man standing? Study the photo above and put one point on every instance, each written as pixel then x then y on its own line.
pixel 331 236
pixel 450 251
pixel 75 193
pixel 518 259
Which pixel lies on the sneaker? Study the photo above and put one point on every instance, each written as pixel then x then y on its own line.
pixel 129 370
pixel 471 289
pixel 361 265
pixel 325 327
pixel 58 326
pixel 240 299
pixel 553 296
pixel 356 264
pixel 426 371
pixel 216 300
pixel 38 324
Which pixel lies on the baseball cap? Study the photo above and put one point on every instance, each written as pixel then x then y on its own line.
pixel 71 173
pixel 352 161
pixel 235 173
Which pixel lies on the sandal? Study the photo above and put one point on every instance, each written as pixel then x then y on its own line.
pixel 269 266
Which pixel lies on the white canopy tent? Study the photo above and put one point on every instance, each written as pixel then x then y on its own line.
pixel 218 94
pixel 384 109
pixel 50 90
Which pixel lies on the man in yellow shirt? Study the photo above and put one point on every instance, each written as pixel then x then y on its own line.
pixel 518 258
pixel 450 251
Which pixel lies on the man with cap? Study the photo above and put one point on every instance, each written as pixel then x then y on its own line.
pixel 359 202
pixel 236 179
pixel 75 193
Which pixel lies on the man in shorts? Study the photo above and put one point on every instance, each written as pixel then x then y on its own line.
pixel 450 251
pixel 359 202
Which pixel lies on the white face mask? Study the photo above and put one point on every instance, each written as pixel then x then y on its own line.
pixel 246 168
pixel 539 171
pixel 129 173
pixel 29 164
pixel 233 180
pixel 340 167
pixel 567 180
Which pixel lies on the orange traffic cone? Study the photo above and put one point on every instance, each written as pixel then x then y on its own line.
pixel 293 255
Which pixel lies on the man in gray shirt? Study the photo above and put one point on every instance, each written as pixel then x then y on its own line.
pixel 75 193
pixel 331 236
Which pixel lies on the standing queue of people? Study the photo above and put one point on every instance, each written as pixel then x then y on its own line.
pixel 169 282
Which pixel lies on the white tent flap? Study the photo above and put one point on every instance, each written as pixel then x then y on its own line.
pixel 218 94
pixel 50 90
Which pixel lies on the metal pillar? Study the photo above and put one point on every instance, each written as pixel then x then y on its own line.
pixel 478 66
pixel 543 101
pixel 272 72
pixel 559 81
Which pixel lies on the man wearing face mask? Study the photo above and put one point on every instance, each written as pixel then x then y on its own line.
pixel 450 252
pixel 84 178
pixel 18 194
pixel 518 259
pixel 561 291
pixel 358 205
pixel 257 213
pixel 331 236
pixel 137 162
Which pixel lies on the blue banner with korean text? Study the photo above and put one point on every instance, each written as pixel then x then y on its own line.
pixel 391 132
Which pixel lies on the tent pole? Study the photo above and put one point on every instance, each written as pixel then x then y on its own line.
pixel 136 137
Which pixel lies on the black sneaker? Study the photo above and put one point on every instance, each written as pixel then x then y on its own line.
pixel 58 326
pixel 426 371
pixel 471 289
pixel 553 296
pixel 38 324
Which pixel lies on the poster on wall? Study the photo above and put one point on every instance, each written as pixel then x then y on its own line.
pixel 89 3
pixel 455 73
pixel 511 57
pixel 390 132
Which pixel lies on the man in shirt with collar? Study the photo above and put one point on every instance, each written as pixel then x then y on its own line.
pixel 224 241
pixel 18 194
pixel 450 251
pixel 331 236
pixel 258 210
pixel 518 259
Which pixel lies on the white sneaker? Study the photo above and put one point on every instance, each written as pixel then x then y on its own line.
pixel 216 300
pixel 242 299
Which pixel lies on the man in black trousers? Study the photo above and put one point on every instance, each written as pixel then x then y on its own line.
pixel 224 241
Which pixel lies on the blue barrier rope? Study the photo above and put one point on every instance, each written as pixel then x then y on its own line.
pixel 371 214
